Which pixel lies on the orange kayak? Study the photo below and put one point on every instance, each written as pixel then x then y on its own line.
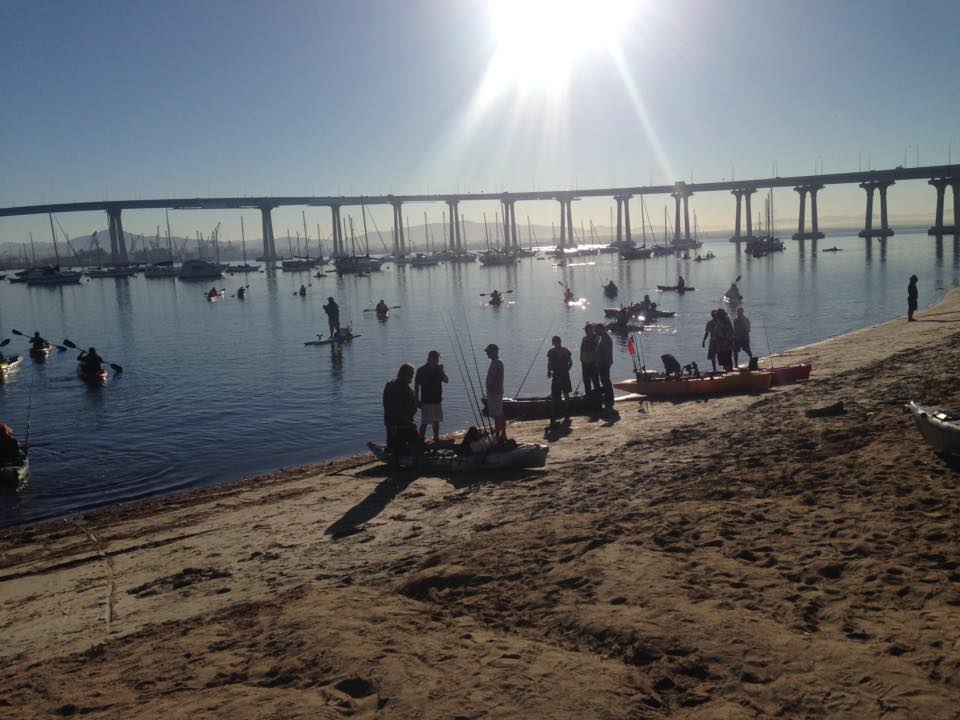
pixel 660 387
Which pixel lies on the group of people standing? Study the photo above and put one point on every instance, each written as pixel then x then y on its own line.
pixel 727 339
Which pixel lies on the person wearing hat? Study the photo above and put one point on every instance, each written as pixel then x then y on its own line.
pixel 495 392
pixel 333 315
pixel 588 359
pixel 428 388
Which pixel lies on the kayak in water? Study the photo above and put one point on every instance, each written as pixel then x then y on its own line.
pixel 92 377
pixel 675 288
pixel 343 335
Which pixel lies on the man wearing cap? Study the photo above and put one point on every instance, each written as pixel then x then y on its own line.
pixel 495 392
pixel 428 387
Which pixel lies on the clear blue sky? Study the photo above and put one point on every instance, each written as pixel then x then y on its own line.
pixel 129 99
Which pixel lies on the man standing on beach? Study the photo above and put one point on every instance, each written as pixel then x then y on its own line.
pixel 741 336
pixel 495 392
pixel 428 388
pixel 333 315
pixel 911 298
pixel 588 360
pixel 709 332
pixel 559 362
pixel 604 363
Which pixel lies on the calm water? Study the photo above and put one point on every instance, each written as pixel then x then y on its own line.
pixel 220 391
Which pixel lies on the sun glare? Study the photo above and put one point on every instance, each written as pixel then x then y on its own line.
pixel 538 42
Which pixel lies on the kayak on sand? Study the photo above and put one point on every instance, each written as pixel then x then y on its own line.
pixel 656 386
pixel 448 460
pixel 539 407
pixel 939 427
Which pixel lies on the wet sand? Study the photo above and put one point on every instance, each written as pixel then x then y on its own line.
pixel 715 559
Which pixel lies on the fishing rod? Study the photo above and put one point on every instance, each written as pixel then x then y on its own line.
pixel 26 437
pixel 535 356
pixel 473 351
pixel 466 366
pixel 470 398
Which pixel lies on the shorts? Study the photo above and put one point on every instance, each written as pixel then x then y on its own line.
pixel 431 413
pixel 495 406
pixel 741 345
pixel 561 385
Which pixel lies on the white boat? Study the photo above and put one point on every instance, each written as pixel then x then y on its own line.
pixel 939 427
pixel 200 270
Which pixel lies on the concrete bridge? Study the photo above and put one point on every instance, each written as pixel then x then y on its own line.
pixel 940 177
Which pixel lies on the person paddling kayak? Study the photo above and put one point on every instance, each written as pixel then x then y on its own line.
pixel 10 449
pixel 90 362
pixel 382 308
pixel 242 293
pixel 213 293
pixel 302 291
pixel 568 295
pixel 496 298
pixel 38 344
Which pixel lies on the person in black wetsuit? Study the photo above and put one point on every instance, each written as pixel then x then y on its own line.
pixel 10 449
pixel 37 343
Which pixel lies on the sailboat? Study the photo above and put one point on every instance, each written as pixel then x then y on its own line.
pixel 358 264
pixel 632 251
pixel 245 267
pixel 53 275
pixel 163 269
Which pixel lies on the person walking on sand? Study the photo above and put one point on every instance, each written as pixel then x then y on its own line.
pixel 911 298
pixel 494 386
pixel 723 337
pixel 559 362
pixel 333 315
pixel 428 388
pixel 708 332
pixel 604 363
pixel 741 336
pixel 588 360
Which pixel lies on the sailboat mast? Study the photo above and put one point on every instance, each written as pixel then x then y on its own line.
pixel 407 223
pixel 486 232
pixel 463 234
pixel 33 249
pixel 529 234
pixel 643 224
pixel 443 227
pixel 426 233
pixel 55 250
pixel 169 240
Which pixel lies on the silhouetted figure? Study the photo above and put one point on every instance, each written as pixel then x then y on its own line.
pixel 911 298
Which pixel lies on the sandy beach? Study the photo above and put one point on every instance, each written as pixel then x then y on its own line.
pixel 730 558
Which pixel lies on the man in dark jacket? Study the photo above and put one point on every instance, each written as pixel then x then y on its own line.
pixel 604 363
pixel 399 413
pixel 912 297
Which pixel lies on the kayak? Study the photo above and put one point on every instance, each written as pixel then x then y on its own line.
pixel 635 310
pixel 8 365
pixel 529 408
pixel 331 340
pixel 791 373
pixel 16 472
pixel 446 460
pixel 660 387
pixel 610 290
pixel 41 354
pixel 939 427
pixel 383 314
pixel 92 378
pixel 214 298
pixel 735 300
pixel 674 288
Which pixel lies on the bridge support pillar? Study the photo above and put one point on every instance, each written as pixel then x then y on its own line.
pixel 513 224
pixel 509 224
pixel 626 220
pixel 801 233
pixel 681 194
pixel 269 245
pixel 619 240
pixel 868 231
pixel 676 216
pixel 399 241
pixel 118 244
pixel 567 239
pixel 938 228
pixel 740 194
pixel 337 239
pixel 455 242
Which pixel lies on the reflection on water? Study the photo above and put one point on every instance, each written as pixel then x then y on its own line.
pixel 218 391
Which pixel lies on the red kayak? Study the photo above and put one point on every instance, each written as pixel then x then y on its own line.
pixel 791 373
pixel 92 378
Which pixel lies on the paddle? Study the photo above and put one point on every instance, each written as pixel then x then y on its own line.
pixel 116 368
pixel 61 348
pixel 503 293
pixel 5 342
pixel 573 298
pixel 391 307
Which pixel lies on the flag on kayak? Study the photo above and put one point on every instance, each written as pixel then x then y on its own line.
pixel 631 347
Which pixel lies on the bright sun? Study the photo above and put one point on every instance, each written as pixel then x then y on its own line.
pixel 538 42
